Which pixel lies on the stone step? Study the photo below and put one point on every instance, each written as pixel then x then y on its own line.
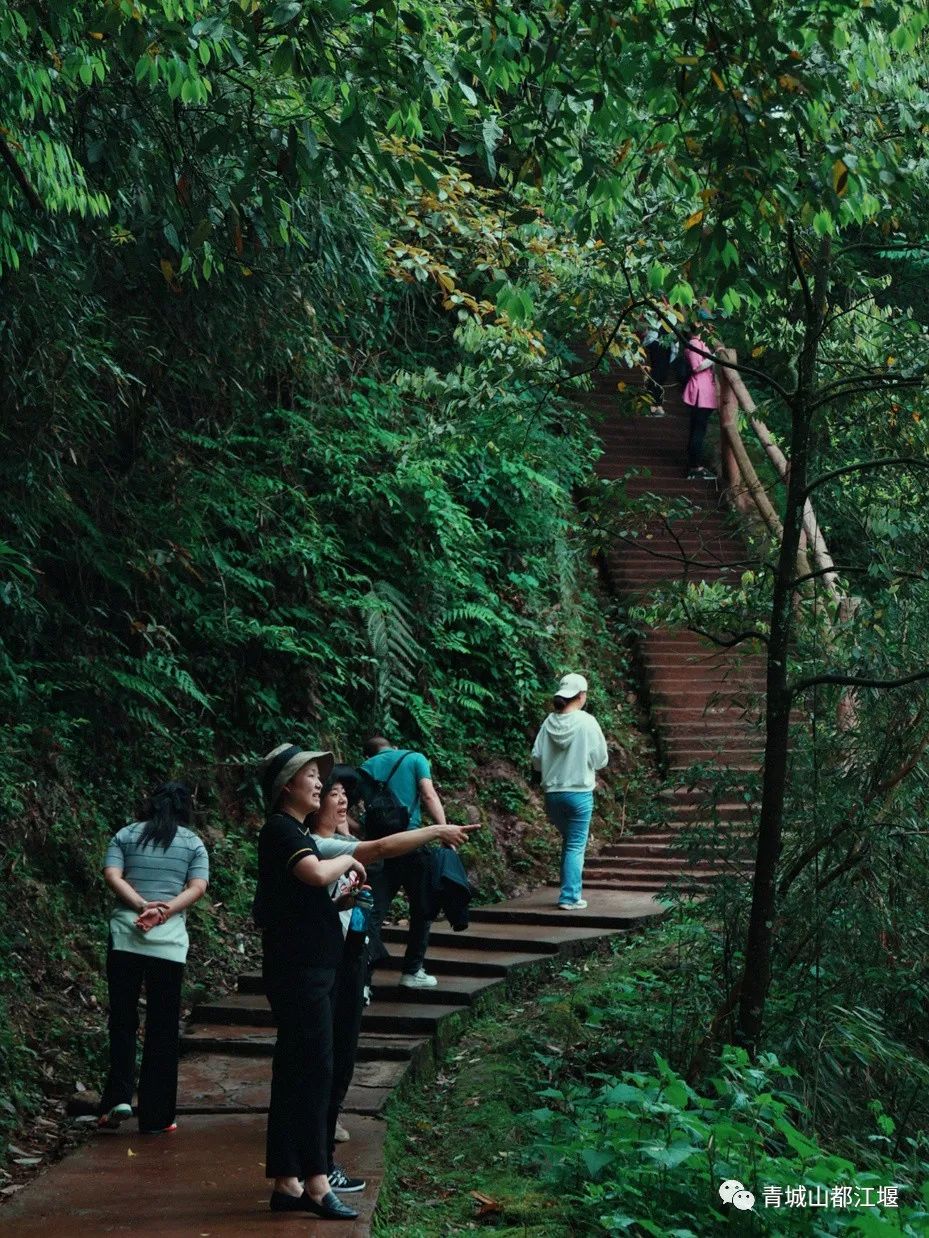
pixel 616 855
pixel 447 960
pixel 701 810
pixel 707 677
pixel 685 692
pixel 642 885
pixel 661 660
pixel 409 1017
pixel 607 879
pixel 252 1040
pixel 656 864
pixel 746 766
pixel 253 1010
pixel 498 937
pixel 450 991
pixel 711 745
pixel 546 919
pixel 220 1083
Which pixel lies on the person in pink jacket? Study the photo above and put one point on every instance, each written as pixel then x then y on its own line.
pixel 701 395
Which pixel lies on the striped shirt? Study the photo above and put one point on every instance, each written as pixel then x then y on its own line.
pixel 157 873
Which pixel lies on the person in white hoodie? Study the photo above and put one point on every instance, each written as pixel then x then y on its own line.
pixel 569 749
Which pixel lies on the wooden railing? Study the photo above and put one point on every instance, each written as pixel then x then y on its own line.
pixel 749 495
pixel 748 491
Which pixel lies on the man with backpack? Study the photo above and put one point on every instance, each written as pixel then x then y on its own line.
pixel 398 785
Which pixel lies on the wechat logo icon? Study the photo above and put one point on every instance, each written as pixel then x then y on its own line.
pixel 733 1192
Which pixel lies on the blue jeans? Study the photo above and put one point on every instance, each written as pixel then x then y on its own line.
pixel 570 813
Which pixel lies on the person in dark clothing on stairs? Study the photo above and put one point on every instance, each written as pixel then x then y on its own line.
pixel 329 831
pixel 302 948
pixel 660 346
pixel 411 782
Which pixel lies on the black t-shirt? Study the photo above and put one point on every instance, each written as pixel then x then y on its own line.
pixel 300 924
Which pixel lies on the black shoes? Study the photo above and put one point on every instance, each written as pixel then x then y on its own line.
pixel 329 1208
pixel 341 1182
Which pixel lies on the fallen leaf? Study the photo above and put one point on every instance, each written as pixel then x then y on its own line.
pixel 129 1152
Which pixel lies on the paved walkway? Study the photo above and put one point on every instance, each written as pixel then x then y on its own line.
pixel 207 1179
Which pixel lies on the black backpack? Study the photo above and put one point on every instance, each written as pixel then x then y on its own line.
pixel 384 814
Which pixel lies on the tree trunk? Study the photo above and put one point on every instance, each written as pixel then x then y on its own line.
pixel 760 939
pixel 757 975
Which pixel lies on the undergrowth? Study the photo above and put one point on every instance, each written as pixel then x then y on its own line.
pixel 568 1113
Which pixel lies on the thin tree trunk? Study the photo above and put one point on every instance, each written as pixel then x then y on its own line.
pixel 760 939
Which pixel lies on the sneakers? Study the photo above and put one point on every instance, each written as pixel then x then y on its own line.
pixel 368 994
pixel 160 1130
pixel 110 1121
pixel 341 1134
pixel 700 474
pixel 341 1182
pixel 577 906
pixel 417 980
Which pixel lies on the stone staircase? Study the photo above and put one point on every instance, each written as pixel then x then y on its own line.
pixel 208 1177
pixel 703 700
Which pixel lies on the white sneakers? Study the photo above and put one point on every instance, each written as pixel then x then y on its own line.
pixel 418 980
pixel 578 906
pixel 111 1121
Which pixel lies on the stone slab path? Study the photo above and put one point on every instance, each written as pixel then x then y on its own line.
pixel 207 1179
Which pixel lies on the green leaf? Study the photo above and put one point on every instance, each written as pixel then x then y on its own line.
pixel 595 1160
pixel 671 1157
pixel 822 223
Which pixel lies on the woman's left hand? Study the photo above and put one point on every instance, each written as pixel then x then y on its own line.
pixel 150 917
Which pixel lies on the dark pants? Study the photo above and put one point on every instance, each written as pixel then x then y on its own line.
pixel 656 373
pixel 699 420
pixel 301 1071
pixel 406 872
pixel 125 973
pixel 347 1009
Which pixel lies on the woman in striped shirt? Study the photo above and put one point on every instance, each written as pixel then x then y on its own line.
pixel 156 868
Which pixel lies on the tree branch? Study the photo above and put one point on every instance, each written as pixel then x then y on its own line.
pixel 855 681
pixel 849 570
pixel 846 387
pixel 749 634
pixel 911 461
pixel 21 178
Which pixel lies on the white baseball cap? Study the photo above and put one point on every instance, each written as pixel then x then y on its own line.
pixel 571 686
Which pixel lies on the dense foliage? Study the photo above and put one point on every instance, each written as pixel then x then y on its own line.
pixel 595 1131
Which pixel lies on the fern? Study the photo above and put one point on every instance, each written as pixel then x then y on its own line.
pixel 397 653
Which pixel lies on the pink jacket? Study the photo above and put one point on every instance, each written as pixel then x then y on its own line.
pixel 700 389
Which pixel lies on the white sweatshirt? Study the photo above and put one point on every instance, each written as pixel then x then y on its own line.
pixel 569 749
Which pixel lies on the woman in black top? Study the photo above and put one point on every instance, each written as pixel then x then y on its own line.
pixel 302 947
